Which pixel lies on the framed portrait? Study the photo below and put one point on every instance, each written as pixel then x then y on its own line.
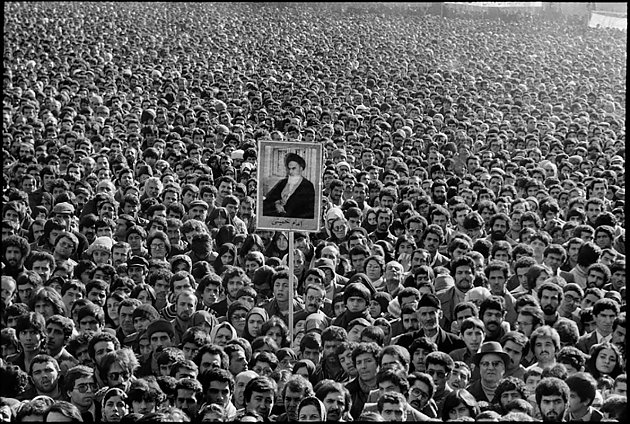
pixel 289 186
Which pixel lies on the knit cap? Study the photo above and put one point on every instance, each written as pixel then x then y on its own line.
pixel 103 244
pixel 160 326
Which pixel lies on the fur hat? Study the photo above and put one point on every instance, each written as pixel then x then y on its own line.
pixel 160 326
pixel 178 258
pixel 147 311
pixel 429 300
pixel 357 290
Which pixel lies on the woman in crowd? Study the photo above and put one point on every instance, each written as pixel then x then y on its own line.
pixel 458 404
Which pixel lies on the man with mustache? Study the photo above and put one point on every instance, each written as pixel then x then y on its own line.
pixel 463 272
pixel 414 226
pixel 516 346
pixel 552 399
pixel 492 312
pixel 499 225
pixel 336 399
pixel 80 386
pixel 314 300
pixel 225 187
pixel 441 217
pixel 545 342
pixel 429 315
pixel 420 395
pixel 384 218
pixel 186 305
pixel 432 238
pixel 550 296
pixel 570 305
pixel 15 249
pixel 492 362
pixel 329 366
pixel 125 318
pixel 438 192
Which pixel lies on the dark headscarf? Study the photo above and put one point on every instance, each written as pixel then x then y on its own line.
pixel 219 266
pixel 273 251
pixel 368 227
pixel 310 368
pixel 219 211
pixel 225 235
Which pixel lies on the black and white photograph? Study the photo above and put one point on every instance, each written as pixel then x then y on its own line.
pixel 313 212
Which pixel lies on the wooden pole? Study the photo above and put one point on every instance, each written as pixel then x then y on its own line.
pixel 291 286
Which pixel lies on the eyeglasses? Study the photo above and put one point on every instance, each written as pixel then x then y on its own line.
pixel 117 375
pixel 419 393
pixel 573 299
pixel 158 246
pixel 494 364
pixel 263 371
pixel 84 387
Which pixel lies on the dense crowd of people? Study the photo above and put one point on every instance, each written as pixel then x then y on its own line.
pixel 471 259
